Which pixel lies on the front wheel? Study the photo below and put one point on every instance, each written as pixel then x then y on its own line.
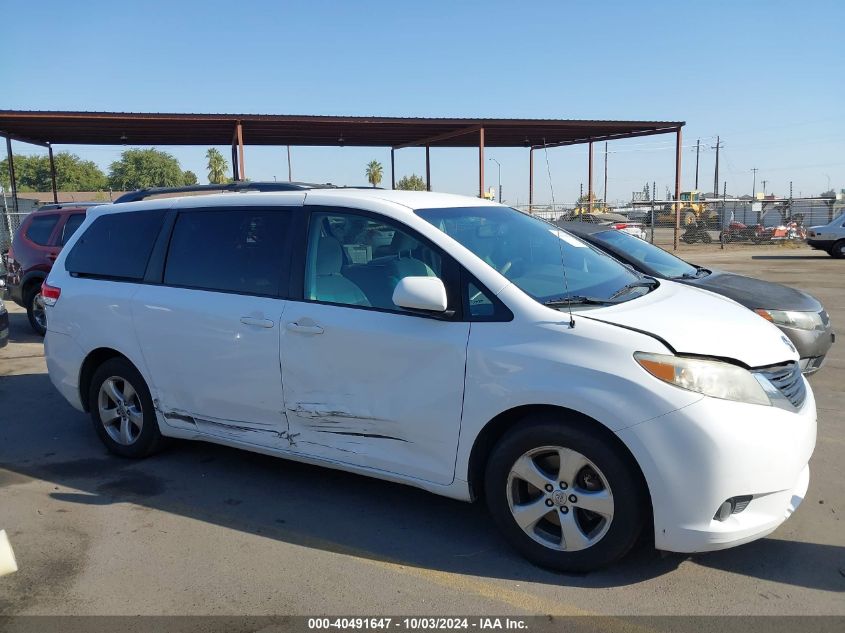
pixel 565 497
pixel 838 250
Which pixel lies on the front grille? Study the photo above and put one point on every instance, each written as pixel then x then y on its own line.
pixel 788 380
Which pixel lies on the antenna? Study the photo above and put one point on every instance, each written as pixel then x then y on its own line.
pixel 559 240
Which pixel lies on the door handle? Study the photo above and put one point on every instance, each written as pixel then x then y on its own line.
pixel 293 326
pixel 246 320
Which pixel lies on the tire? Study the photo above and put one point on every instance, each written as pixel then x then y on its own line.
pixel 35 310
pixel 688 218
pixel 134 430
pixel 604 475
pixel 705 237
pixel 837 251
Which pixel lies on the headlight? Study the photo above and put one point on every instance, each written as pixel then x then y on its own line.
pixel 709 377
pixel 789 318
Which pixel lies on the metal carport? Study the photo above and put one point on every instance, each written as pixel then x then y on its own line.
pixel 49 128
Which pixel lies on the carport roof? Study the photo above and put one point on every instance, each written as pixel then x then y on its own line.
pixel 132 128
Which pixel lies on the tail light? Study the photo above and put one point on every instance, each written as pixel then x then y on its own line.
pixel 620 225
pixel 50 294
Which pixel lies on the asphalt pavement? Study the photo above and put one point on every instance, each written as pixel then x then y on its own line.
pixel 203 529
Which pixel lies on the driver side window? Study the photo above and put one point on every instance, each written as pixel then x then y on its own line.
pixel 358 260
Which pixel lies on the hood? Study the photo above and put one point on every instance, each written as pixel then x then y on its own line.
pixel 693 321
pixel 756 293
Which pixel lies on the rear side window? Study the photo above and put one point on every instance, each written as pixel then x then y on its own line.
pixel 229 250
pixel 41 228
pixel 72 223
pixel 116 246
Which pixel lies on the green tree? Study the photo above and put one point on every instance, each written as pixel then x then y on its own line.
pixel 217 167
pixel 830 193
pixel 32 173
pixel 411 183
pixel 141 168
pixel 373 173
pixel 190 177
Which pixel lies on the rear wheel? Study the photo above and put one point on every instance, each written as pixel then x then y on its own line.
pixel 564 497
pixel 122 410
pixel 35 310
pixel 838 249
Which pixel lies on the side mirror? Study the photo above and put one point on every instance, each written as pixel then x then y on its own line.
pixel 426 294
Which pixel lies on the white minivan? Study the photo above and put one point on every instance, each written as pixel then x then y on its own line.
pixel 445 342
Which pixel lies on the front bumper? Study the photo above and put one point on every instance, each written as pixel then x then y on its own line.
pixel 812 345
pixel 822 245
pixel 696 458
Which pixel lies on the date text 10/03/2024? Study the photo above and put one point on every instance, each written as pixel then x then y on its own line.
pixel 418 623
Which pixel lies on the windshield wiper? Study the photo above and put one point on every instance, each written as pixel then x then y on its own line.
pixel 646 282
pixel 562 302
pixel 699 272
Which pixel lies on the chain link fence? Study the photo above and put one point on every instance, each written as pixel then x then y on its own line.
pixel 717 222
pixel 11 220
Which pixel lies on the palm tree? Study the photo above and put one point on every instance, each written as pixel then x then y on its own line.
pixel 373 173
pixel 217 166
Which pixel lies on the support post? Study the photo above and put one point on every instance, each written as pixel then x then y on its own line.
pixel 235 175
pixel 481 163
pixel 428 168
pixel 241 166
pixel 590 181
pixel 605 175
pixel 530 179
pixel 12 181
pixel 677 187
pixel 53 174
pixel 392 168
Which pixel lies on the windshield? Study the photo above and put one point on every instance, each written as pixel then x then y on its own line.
pixel 649 256
pixel 532 253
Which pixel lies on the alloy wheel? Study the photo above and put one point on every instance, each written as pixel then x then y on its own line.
pixel 120 410
pixel 560 498
pixel 38 311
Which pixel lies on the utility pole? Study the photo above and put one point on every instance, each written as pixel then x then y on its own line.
pixel 754 183
pixel 765 182
pixel 605 175
pixel 653 196
pixel 697 150
pixel 716 174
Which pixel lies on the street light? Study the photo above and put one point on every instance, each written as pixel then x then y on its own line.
pixel 500 178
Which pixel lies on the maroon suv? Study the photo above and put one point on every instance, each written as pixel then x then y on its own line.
pixel 34 249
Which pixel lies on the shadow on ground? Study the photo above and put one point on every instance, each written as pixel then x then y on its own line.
pixel 20 331
pixel 42 437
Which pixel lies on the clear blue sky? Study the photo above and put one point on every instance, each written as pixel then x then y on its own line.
pixel 766 76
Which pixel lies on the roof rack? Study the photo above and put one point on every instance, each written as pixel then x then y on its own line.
pixel 53 206
pixel 141 194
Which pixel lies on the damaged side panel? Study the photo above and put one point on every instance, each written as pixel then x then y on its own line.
pixel 265 434
pixel 375 389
